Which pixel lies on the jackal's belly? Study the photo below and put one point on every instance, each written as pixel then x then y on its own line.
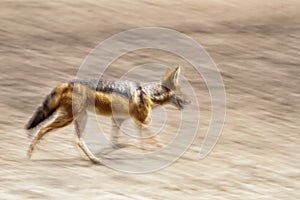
pixel 111 104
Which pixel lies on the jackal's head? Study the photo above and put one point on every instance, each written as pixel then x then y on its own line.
pixel 171 81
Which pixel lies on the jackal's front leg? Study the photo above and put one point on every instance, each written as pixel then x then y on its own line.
pixel 115 132
pixel 92 158
pixel 79 125
pixel 152 140
pixel 141 139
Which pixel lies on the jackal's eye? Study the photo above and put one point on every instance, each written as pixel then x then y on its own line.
pixel 52 94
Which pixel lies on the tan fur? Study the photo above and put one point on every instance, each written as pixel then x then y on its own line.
pixel 140 111
pixel 81 96
pixel 73 100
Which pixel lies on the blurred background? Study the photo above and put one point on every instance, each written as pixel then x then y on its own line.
pixel 255 45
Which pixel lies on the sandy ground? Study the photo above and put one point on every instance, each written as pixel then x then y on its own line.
pixel 256 46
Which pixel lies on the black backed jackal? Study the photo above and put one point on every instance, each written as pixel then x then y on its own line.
pixel 130 99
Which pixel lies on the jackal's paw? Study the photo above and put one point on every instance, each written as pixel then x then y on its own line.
pixel 159 144
pixel 29 152
pixel 119 145
pixel 143 147
pixel 95 161
pixel 154 141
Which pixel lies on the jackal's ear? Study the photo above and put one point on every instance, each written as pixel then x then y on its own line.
pixel 167 74
pixel 171 78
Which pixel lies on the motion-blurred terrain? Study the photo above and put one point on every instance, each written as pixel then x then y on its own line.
pixel 256 46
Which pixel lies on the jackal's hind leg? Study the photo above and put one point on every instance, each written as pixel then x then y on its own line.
pixel 59 122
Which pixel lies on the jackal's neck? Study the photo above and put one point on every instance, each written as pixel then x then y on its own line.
pixel 158 93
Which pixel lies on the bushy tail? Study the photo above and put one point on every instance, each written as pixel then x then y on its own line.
pixel 50 105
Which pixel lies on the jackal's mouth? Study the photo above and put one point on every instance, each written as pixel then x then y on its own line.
pixel 180 102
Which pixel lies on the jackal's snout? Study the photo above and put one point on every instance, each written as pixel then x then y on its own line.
pixel 180 102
